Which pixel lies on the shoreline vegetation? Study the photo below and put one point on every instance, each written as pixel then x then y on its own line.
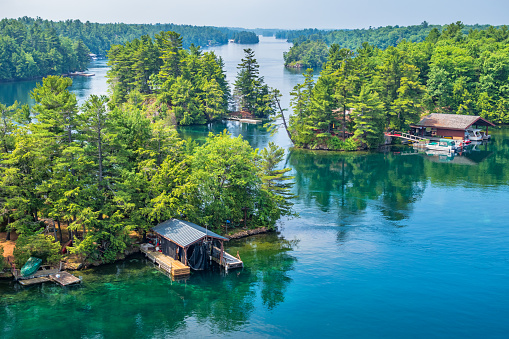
pixel 35 48
pixel 116 166
pixel 310 46
pixel 362 93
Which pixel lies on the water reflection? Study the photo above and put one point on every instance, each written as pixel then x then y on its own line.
pixel 133 297
pixel 349 183
pixel 256 135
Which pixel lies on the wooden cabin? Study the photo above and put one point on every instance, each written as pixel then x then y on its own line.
pixel 451 126
pixel 192 245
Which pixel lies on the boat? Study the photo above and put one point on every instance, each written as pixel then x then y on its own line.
pixel 31 266
pixel 474 134
pixel 443 145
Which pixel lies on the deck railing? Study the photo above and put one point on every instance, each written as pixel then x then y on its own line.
pixel 408 136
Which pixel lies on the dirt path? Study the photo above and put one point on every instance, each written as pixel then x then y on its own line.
pixel 8 245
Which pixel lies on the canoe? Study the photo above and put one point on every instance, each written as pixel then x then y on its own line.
pixel 31 266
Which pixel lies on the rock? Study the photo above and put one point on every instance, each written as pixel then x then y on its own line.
pixel 243 234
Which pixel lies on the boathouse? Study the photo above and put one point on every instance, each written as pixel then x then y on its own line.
pixel 193 245
pixel 451 126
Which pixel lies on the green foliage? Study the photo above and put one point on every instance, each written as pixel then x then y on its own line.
pixel 244 37
pixel 359 96
pixel 35 50
pixel 37 245
pixel 3 261
pixel 117 168
pixel 228 176
pixel 224 172
pixel 251 94
pixel 190 86
pixel 307 54
pixel 308 44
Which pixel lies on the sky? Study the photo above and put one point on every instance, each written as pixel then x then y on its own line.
pixel 284 14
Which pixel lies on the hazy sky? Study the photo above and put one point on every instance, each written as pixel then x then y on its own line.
pixel 266 13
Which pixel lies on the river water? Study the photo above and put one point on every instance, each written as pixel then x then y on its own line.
pixel 388 244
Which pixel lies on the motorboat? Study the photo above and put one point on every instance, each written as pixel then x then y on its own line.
pixel 475 134
pixel 443 145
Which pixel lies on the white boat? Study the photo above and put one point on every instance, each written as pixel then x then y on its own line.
pixel 486 136
pixel 475 134
pixel 443 145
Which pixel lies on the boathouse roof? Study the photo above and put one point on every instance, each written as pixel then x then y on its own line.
pixel 184 233
pixel 452 121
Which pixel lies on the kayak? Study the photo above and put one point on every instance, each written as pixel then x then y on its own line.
pixel 31 266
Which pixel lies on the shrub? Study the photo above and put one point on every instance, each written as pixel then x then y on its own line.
pixel 3 262
pixel 351 144
pixel 37 245
pixel 335 143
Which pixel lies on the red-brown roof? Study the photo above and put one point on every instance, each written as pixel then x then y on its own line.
pixel 452 121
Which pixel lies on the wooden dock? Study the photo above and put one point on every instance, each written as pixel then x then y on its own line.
pixel 166 263
pixel 245 120
pixel 228 261
pixel 42 272
pixel 33 281
pixel 64 278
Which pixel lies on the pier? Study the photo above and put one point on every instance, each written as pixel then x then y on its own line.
pixel 166 263
pixel 46 274
pixel 227 261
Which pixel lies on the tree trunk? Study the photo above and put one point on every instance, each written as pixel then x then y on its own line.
pixel 99 150
pixel 60 230
pixel 284 120
pixel 8 235
pixel 55 231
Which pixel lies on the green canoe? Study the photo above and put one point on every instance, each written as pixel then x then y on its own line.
pixel 31 266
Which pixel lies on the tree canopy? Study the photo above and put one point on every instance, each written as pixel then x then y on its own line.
pixel 360 94
pixel 112 169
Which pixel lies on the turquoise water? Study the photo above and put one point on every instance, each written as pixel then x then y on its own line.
pixel 388 244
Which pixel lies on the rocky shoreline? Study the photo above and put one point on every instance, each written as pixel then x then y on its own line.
pixel 71 264
pixel 243 234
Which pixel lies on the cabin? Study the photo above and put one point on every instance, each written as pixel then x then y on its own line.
pixel 450 126
pixel 192 245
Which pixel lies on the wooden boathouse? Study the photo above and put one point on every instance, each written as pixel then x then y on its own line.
pixel 180 245
pixel 452 126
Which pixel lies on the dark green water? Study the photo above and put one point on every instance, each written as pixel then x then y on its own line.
pixel 388 244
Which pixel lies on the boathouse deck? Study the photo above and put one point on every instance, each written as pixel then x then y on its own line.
pixel 166 263
pixel 228 261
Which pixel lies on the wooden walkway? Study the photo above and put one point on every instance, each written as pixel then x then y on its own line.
pixel 168 264
pixel 42 272
pixel 408 136
pixel 33 281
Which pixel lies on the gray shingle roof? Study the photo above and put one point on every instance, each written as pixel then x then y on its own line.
pixel 452 121
pixel 183 232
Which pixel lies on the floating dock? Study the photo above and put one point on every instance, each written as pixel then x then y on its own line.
pixel 64 278
pixel 33 281
pixel 247 121
pixel 166 263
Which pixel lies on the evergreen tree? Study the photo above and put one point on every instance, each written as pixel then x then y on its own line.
pixel 250 92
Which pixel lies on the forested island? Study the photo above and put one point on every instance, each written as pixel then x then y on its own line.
pixel 360 94
pixel 110 170
pixel 188 87
pixel 311 45
pixel 33 48
pixel 245 38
